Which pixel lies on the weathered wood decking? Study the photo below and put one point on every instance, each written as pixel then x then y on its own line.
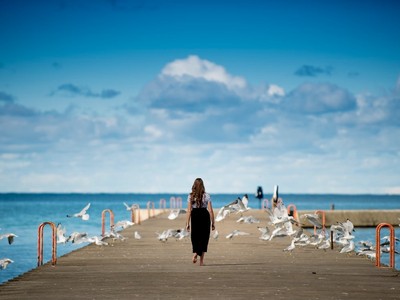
pixel 241 268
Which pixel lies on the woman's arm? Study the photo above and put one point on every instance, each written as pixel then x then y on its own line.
pixel 188 212
pixel 210 209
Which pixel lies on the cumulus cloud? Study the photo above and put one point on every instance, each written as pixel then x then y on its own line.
pixel 312 71
pixel 200 116
pixel 70 89
pixel 319 98
pixel 194 67
pixel 275 90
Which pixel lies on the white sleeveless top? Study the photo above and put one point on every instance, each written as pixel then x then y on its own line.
pixel 204 204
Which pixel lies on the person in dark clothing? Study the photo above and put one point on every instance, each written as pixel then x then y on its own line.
pixel 260 195
pixel 199 219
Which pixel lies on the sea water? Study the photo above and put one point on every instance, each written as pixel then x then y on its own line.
pixel 22 214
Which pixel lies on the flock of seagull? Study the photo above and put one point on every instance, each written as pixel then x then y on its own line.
pixel 79 237
pixel 279 224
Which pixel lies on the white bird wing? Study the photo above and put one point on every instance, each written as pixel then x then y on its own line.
pixel 84 210
pixel 4 263
pixel 242 233
pixel 173 214
pixel 222 213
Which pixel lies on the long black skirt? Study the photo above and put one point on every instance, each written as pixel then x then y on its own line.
pixel 200 230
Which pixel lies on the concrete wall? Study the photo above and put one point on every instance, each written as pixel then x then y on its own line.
pixel 360 218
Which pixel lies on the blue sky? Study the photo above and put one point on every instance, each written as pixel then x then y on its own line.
pixel 145 96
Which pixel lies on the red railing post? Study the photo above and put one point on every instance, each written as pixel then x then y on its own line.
pixel 163 204
pixel 103 222
pixel 40 243
pixel 321 212
pixel 179 202
pixel 150 203
pixel 172 202
pixel 135 207
pixel 295 215
pixel 378 244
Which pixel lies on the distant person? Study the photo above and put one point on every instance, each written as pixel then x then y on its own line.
pixel 260 195
pixel 245 200
pixel 199 219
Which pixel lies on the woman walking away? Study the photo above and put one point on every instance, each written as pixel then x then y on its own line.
pixel 199 217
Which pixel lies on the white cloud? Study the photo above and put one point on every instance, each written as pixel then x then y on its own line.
pixel 275 90
pixel 197 120
pixel 316 98
pixel 195 67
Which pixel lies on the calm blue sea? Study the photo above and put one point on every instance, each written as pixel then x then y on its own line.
pixel 23 213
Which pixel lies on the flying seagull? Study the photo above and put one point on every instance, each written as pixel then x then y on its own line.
pixel 4 263
pixel 82 214
pixel 9 236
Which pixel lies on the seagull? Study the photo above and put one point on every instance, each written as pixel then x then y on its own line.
pixel 348 248
pixel 4 263
pixel 236 233
pixel 10 237
pixel 291 247
pixel 235 206
pixel 82 214
pixel 173 214
pixel 348 226
pixel 114 235
pixel 248 220
pixel 325 244
pixel 97 240
pixel 61 238
pixel 215 235
pixel 181 234
pixel 313 219
pixel 124 224
pixel 265 233
pixel 137 235
pixel 77 237
pixel 132 207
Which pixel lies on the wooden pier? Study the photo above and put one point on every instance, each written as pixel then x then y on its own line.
pixel 240 268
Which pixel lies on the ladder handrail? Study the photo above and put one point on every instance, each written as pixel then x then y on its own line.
pixel 40 243
pixel 378 244
pixel 103 223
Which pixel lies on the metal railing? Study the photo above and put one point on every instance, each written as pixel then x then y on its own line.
pixel 103 220
pixel 378 244
pixel 40 243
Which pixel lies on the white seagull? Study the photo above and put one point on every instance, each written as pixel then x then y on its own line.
pixel 174 213
pixel 82 214
pixel 265 233
pixel 348 248
pixel 313 219
pixel 291 247
pixel 61 238
pixel 77 237
pixel 124 224
pixel 4 263
pixel 10 237
pixel 95 239
pixel 215 235
pixel 236 233
pixel 137 235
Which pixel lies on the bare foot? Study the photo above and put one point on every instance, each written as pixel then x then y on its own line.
pixel 194 259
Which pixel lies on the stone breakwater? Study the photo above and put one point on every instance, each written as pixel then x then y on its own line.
pixel 360 218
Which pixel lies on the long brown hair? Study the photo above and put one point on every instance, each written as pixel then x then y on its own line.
pixel 198 190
